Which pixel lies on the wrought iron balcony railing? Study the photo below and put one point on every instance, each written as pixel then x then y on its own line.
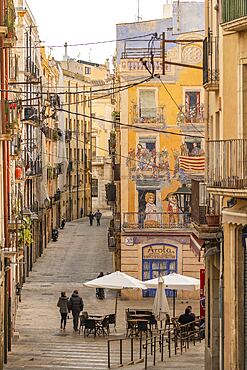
pixel 227 163
pixel 148 115
pixel 211 63
pixel 232 10
pixel 158 220
pixel 190 115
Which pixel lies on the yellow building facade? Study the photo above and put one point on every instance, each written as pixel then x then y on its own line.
pixel 162 149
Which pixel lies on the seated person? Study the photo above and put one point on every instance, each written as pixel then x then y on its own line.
pixel 186 317
pixel 192 314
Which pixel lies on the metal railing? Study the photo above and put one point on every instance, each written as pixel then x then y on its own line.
pixel 227 163
pixel 211 61
pixel 187 115
pixel 148 115
pixel 232 10
pixel 157 220
pixel 151 349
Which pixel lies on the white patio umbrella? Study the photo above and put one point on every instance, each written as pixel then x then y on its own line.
pixel 160 306
pixel 176 282
pixel 116 280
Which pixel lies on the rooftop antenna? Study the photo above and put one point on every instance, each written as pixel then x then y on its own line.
pixel 89 55
pixel 65 51
pixel 139 18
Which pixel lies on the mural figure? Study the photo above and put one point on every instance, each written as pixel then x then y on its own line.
pixel 146 163
pixel 184 149
pixel 150 211
pixel 195 151
pixel 172 209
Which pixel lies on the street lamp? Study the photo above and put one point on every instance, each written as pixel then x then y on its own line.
pixel 183 195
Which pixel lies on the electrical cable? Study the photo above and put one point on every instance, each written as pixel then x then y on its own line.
pixel 130 126
pixel 135 38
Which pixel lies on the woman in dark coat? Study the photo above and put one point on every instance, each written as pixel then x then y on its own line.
pixel 63 305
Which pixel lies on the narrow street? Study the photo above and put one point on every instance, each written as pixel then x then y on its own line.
pixel 79 254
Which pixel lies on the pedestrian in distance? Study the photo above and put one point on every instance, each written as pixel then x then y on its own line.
pixel 63 303
pixel 98 216
pixel 62 223
pixel 76 306
pixel 100 293
pixel 91 217
pixel 81 212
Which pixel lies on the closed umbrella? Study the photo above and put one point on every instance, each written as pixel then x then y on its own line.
pixel 160 306
pixel 116 280
pixel 176 282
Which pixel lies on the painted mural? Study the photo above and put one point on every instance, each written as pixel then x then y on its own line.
pixel 154 170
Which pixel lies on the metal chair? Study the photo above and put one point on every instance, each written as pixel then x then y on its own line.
pixel 90 327
pixel 103 327
pixel 83 317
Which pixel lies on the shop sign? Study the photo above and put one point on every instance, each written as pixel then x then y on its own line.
pixel 160 251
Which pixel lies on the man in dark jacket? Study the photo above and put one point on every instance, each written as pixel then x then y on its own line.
pixel 98 215
pixel 76 306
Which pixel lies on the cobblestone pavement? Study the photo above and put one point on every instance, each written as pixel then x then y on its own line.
pixel 80 253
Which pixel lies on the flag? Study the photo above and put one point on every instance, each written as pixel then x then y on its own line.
pixel 192 164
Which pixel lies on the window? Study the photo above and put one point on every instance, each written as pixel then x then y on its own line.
pixel 87 70
pixel 95 189
pixel 147 104
pixel 192 105
pixel 93 147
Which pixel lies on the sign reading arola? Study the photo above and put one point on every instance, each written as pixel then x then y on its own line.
pixel 160 251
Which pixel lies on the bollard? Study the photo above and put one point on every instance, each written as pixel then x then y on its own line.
pixel 141 346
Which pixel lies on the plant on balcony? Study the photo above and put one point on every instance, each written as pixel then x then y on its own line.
pixel 55 135
pixel 212 218
pixel 25 233
pixel 49 172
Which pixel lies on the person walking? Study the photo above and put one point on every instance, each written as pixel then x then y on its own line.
pixel 62 303
pixel 81 212
pixel 76 306
pixel 98 216
pixel 91 217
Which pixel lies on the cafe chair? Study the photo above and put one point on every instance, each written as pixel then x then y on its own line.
pixel 112 319
pixel 142 327
pixel 89 327
pixel 153 322
pixel 102 328
pixel 83 317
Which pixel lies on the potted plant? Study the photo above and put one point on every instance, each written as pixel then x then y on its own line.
pixel 212 218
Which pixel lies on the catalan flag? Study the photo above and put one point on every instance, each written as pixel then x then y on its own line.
pixel 192 163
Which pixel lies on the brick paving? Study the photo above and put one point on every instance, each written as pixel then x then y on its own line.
pixel 79 255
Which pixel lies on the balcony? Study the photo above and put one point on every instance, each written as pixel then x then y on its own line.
pixel 188 117
pixel 34 168
pixel 211 63
pixel 148 116
pixel 159 220
pixel 227 166
pixel 234 15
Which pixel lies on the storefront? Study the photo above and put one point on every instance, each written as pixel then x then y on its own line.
pixel 158 259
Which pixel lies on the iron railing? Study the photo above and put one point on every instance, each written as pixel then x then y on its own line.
pixel 211 61
pixel 154 348
pixel 194 114
pixel 227 163
pixel 233 9
pixel 157 220
pixel 148 115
